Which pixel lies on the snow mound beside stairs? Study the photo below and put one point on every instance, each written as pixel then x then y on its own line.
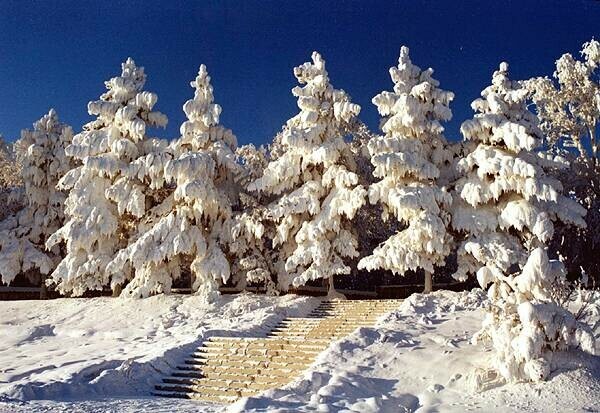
pixel 227 368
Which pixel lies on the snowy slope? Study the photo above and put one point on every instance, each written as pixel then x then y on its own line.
pixel 417 359
pixel 420 359
pixel 104 347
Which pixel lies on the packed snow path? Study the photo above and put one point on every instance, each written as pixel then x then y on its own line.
pixel 227 368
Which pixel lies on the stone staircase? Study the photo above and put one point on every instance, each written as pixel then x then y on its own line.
pixel 227 368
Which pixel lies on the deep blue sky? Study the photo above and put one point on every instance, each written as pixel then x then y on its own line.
pixel 59 53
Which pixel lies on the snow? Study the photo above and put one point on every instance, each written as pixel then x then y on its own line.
pixel 418 358
pixel 106 347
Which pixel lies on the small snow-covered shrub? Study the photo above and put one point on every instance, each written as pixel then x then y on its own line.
pixel 24 233
pixel 527 321
pixel 314 181
pixel 407 160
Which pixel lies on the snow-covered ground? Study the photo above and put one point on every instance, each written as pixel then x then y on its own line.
pixel 115 348
pixel 105 355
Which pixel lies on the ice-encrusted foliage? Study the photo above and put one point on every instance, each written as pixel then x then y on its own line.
pixel 108 191
pixel 407 160
pixel 11 179
pixel 187 227
pixel 23 234
pixel 251 259
pixel 250 229
pixel 527 321
pixel 569 109
pixel 314 180
pixel 505 204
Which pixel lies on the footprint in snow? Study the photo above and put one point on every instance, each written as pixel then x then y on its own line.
pixel 435 388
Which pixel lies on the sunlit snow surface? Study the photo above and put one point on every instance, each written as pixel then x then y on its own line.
pixel 418 358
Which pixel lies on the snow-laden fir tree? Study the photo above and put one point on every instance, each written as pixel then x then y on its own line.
pixel 11 179
pixel 408 160
pixel 252 260
pixel 315 182
pixel 505 204
pixel 106 198
pixel 187 228
pixel 23 235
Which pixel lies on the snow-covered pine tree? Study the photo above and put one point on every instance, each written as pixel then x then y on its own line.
pixel 408 160
pixel 11 180
pixel 106 198
pixel 315 182
pixel 252 259
pixel 505 204
pixel 23 234
pixel 186 229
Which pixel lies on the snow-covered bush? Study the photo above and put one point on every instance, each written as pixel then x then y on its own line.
pixel 506 204
pixel 407 160
pixel 314 180
pixel 188 227
pixel 108 192
pixel 23 234
pixel 528 321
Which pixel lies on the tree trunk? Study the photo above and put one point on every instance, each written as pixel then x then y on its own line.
pixel 428 282
pixel 594 145
pixel 43 289
pixel 332 294
pixel 117 290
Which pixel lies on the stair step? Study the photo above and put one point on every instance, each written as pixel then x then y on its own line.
pixel 332 319
pixel 170 394
pixel 266 346
pixel 188 374
pixel 210 371
pixel 224 369
pixel 263 382
pixel 212 352
pixel 228 340
pixel 262 363
pixel 287 359
pixel 232 382
pixel 206 391
pixel 322 326
pixel 195 396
